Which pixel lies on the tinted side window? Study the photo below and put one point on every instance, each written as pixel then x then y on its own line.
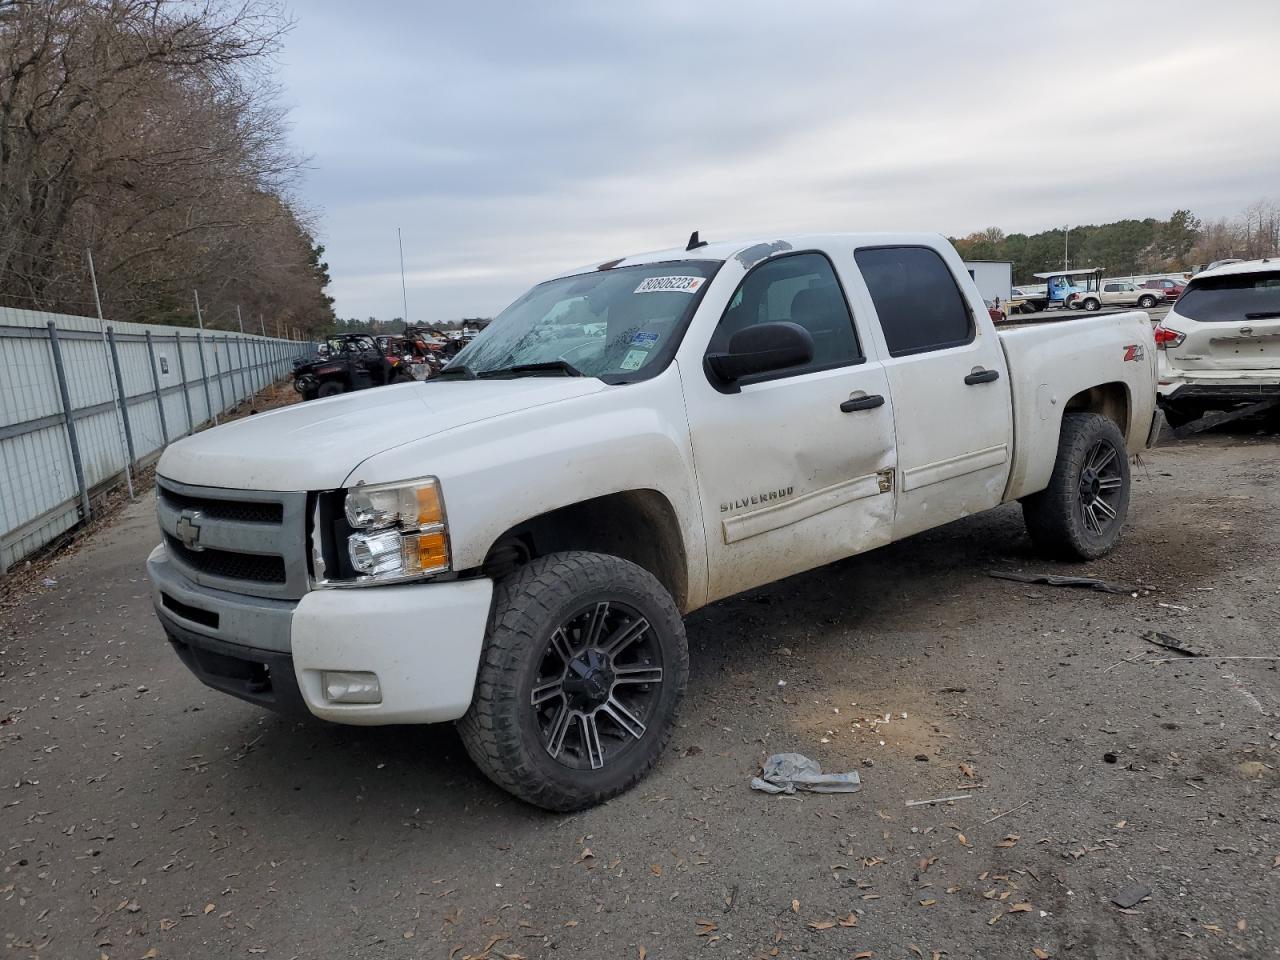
pixel 801 288
pixel 919 304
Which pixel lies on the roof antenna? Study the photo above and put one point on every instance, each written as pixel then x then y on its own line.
pixel 694 242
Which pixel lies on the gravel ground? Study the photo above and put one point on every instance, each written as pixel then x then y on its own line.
pixel 144 816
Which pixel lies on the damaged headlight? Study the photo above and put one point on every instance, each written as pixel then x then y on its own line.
pixel 401 533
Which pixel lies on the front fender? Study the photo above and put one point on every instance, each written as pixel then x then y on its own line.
pixel 500 472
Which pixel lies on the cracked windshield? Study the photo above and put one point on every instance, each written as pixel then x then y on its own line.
pixel 610 322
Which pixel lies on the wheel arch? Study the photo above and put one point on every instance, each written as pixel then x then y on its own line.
pixel 1111 400
pixel 637 525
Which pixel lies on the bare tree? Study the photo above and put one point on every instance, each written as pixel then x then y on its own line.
pixel 150 131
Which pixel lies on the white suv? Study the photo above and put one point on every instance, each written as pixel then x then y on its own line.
pixel 1219 347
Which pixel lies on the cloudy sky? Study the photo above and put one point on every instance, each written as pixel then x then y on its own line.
pixel 513 140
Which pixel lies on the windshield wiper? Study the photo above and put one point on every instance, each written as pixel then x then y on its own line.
pixel 1263 315
pixel 562 367
pixel 458 370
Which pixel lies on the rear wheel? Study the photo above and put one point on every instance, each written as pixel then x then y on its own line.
pixel 1091 304
pixel 583 670
pixel 330 388
pixel 1080 515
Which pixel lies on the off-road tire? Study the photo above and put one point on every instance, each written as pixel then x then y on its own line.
pixel 403 377
pixel 1054 516
pixel 330 388
pixel 1147 302
pixel 500 730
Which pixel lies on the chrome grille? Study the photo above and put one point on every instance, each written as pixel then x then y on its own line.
pixel 242 541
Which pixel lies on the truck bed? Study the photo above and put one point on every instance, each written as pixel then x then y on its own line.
pixel 1051 363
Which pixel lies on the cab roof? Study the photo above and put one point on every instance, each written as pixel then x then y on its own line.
pixel 750 252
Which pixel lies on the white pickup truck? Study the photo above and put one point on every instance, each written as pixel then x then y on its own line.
pixel 512 545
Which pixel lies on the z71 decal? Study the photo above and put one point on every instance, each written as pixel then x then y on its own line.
pixel 1134 352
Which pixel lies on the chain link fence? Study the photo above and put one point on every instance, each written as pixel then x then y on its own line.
pixel 80 398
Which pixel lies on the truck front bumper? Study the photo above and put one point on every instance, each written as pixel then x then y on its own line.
pixel 422 642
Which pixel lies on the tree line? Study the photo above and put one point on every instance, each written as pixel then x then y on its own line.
pixel 149 132
pixel 1129 247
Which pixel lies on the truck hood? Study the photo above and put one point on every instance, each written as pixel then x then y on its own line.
pixel 315 445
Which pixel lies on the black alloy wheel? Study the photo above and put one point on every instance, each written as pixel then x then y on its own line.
pixel 1101 484
pixel 597 686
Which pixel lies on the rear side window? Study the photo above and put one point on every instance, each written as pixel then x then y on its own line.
pixel 1230 299
pixel 920 305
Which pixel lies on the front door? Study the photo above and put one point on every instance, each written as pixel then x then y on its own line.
pixel 795 467
pixel 950 388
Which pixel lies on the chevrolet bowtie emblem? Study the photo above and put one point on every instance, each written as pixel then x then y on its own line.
pixel 188 529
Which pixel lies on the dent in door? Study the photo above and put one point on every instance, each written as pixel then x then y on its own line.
pixel 777 515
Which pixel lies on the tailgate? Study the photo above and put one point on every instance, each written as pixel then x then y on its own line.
pixel 1243 345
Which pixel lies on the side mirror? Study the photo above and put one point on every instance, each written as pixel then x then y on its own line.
pixel 761 348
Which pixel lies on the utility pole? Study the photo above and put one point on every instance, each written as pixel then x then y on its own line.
pixel 200 321
pixel 106 349
pixel 1066 240
pixel 404 294
pixel 240 319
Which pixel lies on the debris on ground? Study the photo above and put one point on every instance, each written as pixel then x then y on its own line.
pixel 1055 580
pixel 1170 642
pixel 789 772
pixel 1131 895
pixel 921 803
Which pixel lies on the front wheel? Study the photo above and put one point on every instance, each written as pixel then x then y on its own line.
pixel 584 668
pixel 1146 303
pixel 1080 514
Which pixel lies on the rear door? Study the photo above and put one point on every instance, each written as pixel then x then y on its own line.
pixel 1231 322
pixel 949 385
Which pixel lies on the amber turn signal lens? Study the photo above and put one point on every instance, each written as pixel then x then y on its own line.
pixel 429 505
pixel 433 551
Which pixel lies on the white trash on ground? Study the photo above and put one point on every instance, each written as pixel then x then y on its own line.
pixel 789 772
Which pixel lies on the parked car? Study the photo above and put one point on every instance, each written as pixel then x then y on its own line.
pixel 1171 289
pixel 1219 346
pixel 513 543
pixel 1117 293
pixel 353 361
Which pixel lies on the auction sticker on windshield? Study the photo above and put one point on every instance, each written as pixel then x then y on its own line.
pixel 634 359
pixel 671 285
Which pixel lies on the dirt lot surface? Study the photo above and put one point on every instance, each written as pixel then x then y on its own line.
pixel 144 816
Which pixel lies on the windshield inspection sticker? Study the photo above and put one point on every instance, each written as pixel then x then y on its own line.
pixel 645 339
pixel 634 359
pixel 671 285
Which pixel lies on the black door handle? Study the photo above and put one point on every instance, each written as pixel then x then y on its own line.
pixel 982 376
pixel 863 403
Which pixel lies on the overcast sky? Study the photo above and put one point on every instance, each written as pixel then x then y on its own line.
pixel 513 140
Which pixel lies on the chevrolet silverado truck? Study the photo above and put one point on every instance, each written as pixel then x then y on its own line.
pixel 512 544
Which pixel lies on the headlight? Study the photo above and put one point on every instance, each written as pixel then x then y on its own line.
pixel 400 530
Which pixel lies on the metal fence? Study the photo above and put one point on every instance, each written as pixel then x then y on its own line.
pixel 63 439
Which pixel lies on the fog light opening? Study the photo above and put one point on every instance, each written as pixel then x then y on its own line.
pixel 345 686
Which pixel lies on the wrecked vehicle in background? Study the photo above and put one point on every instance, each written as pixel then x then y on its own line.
pixel 354 361
pixel 512 544
pixel 1219 347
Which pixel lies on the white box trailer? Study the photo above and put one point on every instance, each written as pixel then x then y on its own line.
pixel 993 277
